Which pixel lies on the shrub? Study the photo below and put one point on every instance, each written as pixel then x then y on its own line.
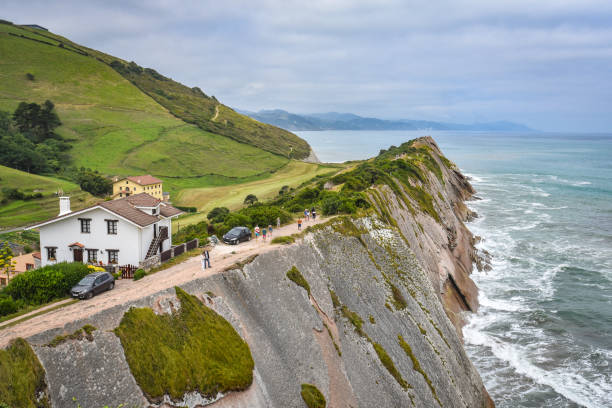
pixel 313 397
pixel 250 199
pixel 194 349
pixel 199 230
pixel 45 284
pixel 30 76
pixel 139 274
pixel 264 215
pixel 8 306
pixel 187 209
pixel 218 214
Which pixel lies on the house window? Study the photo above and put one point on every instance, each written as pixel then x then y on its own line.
pixel 85 225
pixel 113 256
pixel 111 227
pixel 120 194
pixel 3 281
pixel 120 188
pixel 92 255
pixel 51 253
pixel 29 266
pixel 154 211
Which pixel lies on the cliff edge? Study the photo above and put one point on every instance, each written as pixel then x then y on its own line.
pixel 365 309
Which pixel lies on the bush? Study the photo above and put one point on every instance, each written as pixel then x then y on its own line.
pixel 8 306
pixel 218 214
pixel 30 76
pixel 186 209
pixel 199 230
pixel 45 284
pixel 139 274
pixel 250 199
pixel 117 275
pixel 264 215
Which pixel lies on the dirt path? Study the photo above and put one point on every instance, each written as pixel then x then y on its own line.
pixel 127 290
pixel 216 113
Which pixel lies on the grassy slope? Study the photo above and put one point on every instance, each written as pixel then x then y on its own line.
pixel 117 129
pixel 232 196
pixel 17 213
pixel 196 107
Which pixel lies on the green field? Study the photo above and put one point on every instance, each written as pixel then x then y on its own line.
pixel 19 213
pixel 232 196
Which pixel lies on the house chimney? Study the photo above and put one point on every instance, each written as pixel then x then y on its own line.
pixel 64 205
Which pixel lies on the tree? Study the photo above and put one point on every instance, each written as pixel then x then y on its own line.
pixel 250 199
pixel 37 122
pixel 218 214
pixel 7 264
pixel 94 183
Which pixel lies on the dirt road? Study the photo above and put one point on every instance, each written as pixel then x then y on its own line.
pixel 126 290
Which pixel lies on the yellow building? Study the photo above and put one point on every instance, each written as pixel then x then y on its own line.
pixel 138 184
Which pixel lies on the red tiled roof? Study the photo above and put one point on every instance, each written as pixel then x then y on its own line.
pixel 142 200
pixel 144 180
pixel 125 209
pixel 36 255
pixel 167 210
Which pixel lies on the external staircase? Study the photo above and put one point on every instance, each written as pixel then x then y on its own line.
pixel 162 235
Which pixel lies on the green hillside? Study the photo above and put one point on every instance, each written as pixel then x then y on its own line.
pixel 115 127
pixel 189 104
pixel 16 213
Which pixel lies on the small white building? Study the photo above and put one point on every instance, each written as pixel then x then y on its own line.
pixel 124 231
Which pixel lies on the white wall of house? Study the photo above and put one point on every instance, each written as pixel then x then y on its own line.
pixel 147 236
pixel 67 231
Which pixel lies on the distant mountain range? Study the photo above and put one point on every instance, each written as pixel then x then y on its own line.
pixel 349 121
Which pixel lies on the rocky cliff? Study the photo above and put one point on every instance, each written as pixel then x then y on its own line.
pixel 364 308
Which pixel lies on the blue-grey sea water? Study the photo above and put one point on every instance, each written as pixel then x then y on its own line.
pixel 543 334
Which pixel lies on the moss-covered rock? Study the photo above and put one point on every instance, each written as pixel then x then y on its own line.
pixel 312 396
pixel 193 349
pixel 22 377
pixel 296 276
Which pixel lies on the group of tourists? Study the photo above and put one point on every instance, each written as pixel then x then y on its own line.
pixel 264 232
pixel 307 216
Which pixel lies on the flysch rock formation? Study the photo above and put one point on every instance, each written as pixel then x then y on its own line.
pixel 371 284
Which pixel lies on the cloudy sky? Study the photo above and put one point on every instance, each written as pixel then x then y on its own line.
pixel 545 63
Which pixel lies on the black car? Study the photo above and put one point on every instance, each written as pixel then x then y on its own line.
pixel 236 235
pixel 93 284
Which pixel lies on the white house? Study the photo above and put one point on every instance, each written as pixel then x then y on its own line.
pixel 123 231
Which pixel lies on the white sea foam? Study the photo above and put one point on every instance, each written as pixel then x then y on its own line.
pixel 564 381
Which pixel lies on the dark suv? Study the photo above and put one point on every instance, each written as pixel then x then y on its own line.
pixel 236 235
pixel 93 284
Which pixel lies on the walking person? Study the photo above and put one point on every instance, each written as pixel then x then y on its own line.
pixel 306 214
pixel 277 222
pixel 257 233
pixel 313 213
pixel 299 224
pixel 263 233
pixel 205 259
pixel 270 230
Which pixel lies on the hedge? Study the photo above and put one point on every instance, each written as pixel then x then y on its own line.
pixel 38 286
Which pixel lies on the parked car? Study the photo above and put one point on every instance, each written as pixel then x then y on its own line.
pixel 93 284
pixel 236 235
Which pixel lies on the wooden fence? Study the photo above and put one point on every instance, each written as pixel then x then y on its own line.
pixel 127 271
pixel 179 249
pixel 165 255
pixel 193 244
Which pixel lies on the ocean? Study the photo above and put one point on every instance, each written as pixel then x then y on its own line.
pixel 543 334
